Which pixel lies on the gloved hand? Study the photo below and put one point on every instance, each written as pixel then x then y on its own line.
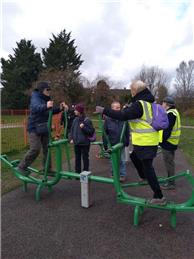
pixel 99 109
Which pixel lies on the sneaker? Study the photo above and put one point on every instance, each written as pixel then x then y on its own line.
pixel 167 186
pixel 158 201
pixel 24 172
pixel 122 179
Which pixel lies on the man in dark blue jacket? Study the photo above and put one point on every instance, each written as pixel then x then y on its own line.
pixel 113 129
pixel 40 105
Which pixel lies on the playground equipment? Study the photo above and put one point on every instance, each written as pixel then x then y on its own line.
pixel 100 131
pixel 115 153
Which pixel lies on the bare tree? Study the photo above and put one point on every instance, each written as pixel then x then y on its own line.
pixel 184 84
pixel 154 77
pixel 184 81
pixel 162 93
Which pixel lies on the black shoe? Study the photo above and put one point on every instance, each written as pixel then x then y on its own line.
pixel 24 172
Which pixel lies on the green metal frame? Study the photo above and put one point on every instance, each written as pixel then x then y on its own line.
pixel 100 131
pixel 115 154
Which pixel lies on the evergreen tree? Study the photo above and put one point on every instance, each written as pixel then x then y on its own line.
pixel 18 73
pixel 61 53
pixel 62 62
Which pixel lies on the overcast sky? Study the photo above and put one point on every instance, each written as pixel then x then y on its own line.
pixel 115 37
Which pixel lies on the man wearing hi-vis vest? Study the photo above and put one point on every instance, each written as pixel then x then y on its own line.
pixel 145 138
pixel 170 140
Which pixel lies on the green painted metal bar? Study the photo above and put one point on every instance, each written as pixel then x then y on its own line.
pixel 131 200
pixel 94 178
pixel 173 218
pixel 6 161
pixel 65 124
pixel 115 163
pixel 58 158
pixel 47 164
pixel 49 124
pixel 25 186
pixel 136 216
pixel 73 175
pixel 160 180
pixel 101 179
pixel 67 153
pixel 116 147
pixel 38 190
pixel 58 142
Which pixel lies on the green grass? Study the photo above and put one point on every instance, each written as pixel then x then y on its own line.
pixel 187 144
pixel 187 121
pixel 12 118
pixel 12 140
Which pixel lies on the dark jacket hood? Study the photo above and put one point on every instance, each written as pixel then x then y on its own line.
pixel 41 95
pixel 144 95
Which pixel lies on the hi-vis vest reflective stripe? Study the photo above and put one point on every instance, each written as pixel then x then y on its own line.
pixel 142 132
pixel 176 131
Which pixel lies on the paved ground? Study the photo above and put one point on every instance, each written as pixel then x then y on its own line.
pixel 57 227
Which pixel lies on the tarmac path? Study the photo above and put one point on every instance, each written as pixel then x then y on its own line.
pixel 57 227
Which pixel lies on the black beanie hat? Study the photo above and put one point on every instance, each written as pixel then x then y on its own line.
pixel 43 85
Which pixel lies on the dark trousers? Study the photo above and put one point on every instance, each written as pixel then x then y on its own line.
pixel 81 152
pixel 36 142
pixel 146 171
pixel 168 156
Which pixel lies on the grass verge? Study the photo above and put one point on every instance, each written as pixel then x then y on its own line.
pixel 187 144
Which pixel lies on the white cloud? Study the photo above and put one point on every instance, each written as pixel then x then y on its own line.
pixel 115 37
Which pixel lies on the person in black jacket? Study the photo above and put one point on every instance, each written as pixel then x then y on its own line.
pixel 170 143
pixel 113 129
pixel 142 155
pixel 40 105
pixel 81 130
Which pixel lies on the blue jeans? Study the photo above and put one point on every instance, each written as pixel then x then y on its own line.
pixel 122 167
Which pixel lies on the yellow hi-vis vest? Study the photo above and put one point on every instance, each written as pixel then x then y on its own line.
pixel 143 134
pixel 176 130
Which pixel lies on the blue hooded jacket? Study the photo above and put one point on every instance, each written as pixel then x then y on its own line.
pixel 38 110
pixel 113 129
